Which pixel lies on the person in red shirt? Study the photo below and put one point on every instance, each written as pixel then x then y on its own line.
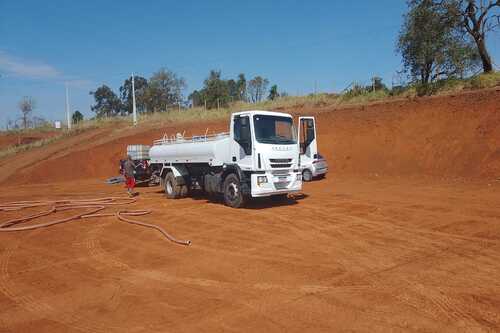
pixel 128 172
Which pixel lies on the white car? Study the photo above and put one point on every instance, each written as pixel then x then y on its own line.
pixel 315 168
pixel 312 164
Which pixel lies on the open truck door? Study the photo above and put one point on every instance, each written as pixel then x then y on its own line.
pixel 312 164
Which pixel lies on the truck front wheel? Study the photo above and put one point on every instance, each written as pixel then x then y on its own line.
pixel 172 190
pixel 233 197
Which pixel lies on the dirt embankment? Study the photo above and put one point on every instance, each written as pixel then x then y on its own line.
pixel 15 139
pixel 452 136
pixel 449 136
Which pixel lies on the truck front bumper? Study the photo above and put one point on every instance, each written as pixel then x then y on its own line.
pixel 267 184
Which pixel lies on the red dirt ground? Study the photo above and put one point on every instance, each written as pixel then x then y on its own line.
pixel 403 235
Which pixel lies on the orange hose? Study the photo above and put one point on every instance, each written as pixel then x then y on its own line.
pixel 95 206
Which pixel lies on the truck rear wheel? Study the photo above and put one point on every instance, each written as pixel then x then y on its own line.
pixel 172 190
pixel 233 197
pixel 184 191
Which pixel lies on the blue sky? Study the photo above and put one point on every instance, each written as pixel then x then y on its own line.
pixel 298 45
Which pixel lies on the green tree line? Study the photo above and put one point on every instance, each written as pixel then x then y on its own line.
pixel 164 89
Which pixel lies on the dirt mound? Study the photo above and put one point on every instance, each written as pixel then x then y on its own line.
pixel 450 136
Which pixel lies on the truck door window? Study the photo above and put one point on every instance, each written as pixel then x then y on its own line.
pixel 242 133
pixel 306 134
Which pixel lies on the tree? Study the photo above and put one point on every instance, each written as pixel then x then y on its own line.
pixel 197 98
pixel 164 89
pixel 140 86
pixel 76 117
pixel 476 18
pixel 377 84
pixel 106 102
pixel 216 90
pixel 219 92
pixel 241 86
pixel 430 46
pixel 256 88
pixel 273 93
pixel 232 87
pixel 26 105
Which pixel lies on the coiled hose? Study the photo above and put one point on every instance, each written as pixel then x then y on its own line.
pixel 93 206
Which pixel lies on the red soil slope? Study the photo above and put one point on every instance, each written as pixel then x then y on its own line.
pixel 13 139
pixel 449 136
pixel 443 136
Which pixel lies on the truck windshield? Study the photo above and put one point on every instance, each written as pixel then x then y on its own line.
pixel 274 129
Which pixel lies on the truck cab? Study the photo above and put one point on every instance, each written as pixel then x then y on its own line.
pixel 312 164
pixel 266 149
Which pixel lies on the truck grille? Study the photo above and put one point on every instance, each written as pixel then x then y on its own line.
pixel 281 185
pixel 280 162
pixel 280 172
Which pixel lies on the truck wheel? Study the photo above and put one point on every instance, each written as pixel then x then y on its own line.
pixel 184 191
pixel 172 190
pixel 232 192
pixel 307 175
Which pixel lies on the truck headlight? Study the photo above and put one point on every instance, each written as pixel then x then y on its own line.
pixel 261 180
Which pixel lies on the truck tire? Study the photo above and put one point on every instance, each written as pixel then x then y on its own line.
pixel 233 197
pixel 184 191
pixel 307 175
pixel 172 190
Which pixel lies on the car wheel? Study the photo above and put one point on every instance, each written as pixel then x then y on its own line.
pixel 307 175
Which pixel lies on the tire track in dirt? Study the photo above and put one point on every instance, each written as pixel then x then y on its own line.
pixel 37 306
pixel 430 302
pixel 108 259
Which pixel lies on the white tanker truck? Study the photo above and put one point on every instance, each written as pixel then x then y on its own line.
pixel 259 157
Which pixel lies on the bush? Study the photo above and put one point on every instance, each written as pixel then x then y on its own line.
pixel 482 81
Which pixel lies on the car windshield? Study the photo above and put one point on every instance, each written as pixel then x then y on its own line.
pixel 274 129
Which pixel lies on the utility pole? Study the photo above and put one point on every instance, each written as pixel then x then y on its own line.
pixel 68 118
pixel 134 110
